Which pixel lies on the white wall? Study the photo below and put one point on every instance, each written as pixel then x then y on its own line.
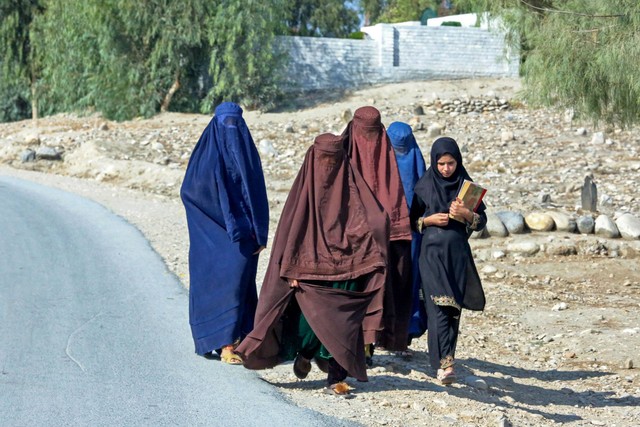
pixel 398 53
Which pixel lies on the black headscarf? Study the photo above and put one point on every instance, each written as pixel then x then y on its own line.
pixel 435 190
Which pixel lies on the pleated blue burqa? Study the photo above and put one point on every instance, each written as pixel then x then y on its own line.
pixel 411 166
pixel 225 199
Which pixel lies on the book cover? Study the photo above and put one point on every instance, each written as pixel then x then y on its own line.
pixel 471 195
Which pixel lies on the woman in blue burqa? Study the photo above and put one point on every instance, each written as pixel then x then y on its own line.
pixel 225 199
pixel 411 167
pixel 449 277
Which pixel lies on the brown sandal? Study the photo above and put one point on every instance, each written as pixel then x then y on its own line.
pixel 446 377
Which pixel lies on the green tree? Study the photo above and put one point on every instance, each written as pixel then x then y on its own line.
pixel 321 18
pixel 128 59
pixel 18 60
pixel 405 10
pixel 245 61
pixel 123 58
pixel 579 54
pixel 371 10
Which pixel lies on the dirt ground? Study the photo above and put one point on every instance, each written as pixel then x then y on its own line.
pixel 558 341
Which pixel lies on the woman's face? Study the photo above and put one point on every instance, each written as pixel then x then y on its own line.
pixel 447 165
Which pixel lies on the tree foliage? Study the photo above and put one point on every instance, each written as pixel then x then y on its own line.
pixel 371 10
pixel 404 10
pixel 127 59
pixel 18 62
pixel 321 18
pixel 244 60
pixel 578 54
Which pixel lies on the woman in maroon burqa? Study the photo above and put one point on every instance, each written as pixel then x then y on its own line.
pixel 327 264
pixel 371 153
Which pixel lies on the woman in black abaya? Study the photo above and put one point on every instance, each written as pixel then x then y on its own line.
pixel 449 277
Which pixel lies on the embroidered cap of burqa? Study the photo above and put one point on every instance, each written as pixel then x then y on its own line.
pixel 227 210
pixel 331 229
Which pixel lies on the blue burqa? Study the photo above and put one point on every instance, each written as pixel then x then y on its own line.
pixel 225 199
pixel 411 167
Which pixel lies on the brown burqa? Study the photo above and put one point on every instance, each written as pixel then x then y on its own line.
pixel 372 154
pixel 331 229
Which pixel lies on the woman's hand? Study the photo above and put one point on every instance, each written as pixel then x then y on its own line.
pixel 260 249
pixel 293 283
pixel 438 219
pixel 458 209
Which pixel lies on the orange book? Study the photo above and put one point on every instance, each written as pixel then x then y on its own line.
pixel 471 195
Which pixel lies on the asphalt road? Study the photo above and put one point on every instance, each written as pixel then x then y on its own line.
pixel 94 329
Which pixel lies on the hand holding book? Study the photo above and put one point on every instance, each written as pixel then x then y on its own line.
pixel 471 195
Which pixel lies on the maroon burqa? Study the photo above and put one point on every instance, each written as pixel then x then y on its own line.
pixel 331 229
pixel 372 154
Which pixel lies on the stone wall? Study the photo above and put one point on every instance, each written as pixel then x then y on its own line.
pixel 397 53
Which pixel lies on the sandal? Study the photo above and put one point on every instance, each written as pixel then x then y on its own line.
pixel 227 355
pixel 341 389
pixel 446 377
pixel 301 367
pixel 368 355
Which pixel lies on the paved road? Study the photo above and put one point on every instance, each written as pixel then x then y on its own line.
pixel 94 328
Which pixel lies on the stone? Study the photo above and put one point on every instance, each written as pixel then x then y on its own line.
pixel 48 153
pixel 604 226
pixel 581 131
pixel 560 306
pixel 498 254
pixel 266 148
pixel 629 226
pixel 523 248
pixel 415 123
pixel 488 269
pixel 434 130
pixel 495 227
pixel 628 364
pixel 589 195
pixel 538 221
pixel 513 221
pixel 563 222
pixel 481 234
pixel 598 138
pixel 585 224
pixel 346 115
pixel 507 136
pixel 561 249
pixel 418 110
pixel 476 382
pixel 32 139
pixel 27 156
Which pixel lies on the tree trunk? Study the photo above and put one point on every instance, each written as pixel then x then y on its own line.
pixel 34 98
pixel 172 90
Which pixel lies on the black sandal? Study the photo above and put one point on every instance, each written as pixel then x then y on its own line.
pixel 301 367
